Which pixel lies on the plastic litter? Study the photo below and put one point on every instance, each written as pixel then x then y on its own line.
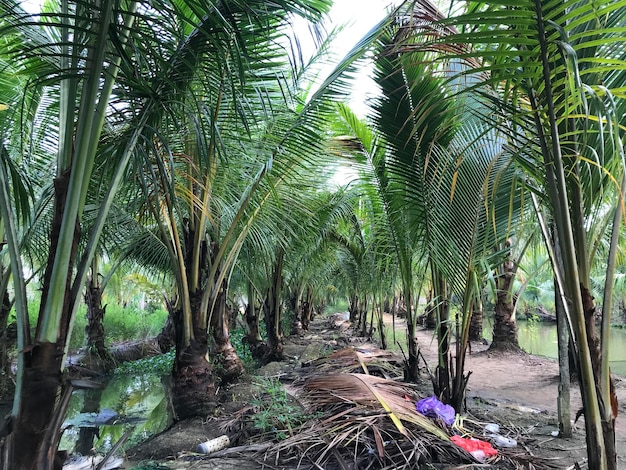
pixel 433 408
pixel 502 441
pixel 214 445
pixel 492 427
pixel 480 450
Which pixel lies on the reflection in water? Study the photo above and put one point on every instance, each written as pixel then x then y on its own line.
pixel 97 419
pixel 540 338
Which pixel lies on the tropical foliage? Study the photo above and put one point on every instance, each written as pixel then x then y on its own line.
pixel 186 147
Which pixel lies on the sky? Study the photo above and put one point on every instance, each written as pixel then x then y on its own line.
pixel 357 17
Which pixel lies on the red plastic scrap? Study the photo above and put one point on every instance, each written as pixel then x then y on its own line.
pixel 479 449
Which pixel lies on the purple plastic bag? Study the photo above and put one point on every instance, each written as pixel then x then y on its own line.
pixel 433 408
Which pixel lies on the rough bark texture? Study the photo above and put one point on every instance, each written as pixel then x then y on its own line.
pixel 193 383
pixel 297 306
pixel 431 317
pixel 353 308
pixel 32 447
pixel 94 330
pixel 363 317
pixel 504 325
pixel 307 309
pixel 228 365
pixel 166 339
pixel 273 313
pixel 258 347
pixel 476 322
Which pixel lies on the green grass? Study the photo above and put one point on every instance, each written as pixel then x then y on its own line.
pixel 243 351
pixel 120 324
pixel 337 306
pixel 276 413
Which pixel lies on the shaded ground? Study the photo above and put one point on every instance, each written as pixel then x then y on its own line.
pixel 517 391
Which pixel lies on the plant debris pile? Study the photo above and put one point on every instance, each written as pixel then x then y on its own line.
pixel 363 421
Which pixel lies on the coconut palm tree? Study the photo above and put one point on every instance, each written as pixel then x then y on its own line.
pixel 556 69
pixel 122 63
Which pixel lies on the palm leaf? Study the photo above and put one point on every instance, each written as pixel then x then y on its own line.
pixel 372 392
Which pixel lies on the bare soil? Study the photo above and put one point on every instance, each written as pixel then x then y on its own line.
pixel 518 391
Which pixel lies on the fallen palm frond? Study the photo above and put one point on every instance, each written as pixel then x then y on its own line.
pixel 367 422
pixel 394 397
pixel 366 360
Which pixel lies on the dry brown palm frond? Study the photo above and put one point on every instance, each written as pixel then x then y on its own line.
pixel 395 398
pixel 359 360
pixel 360 438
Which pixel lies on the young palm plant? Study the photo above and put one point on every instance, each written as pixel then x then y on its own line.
pixel 440 176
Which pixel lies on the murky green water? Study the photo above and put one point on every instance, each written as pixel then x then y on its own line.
pixel 98 418
pixel 540 338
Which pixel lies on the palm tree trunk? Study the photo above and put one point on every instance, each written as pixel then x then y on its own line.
pixel 29 445
pixel 297 306
pixel 504 325
pixel 307 308
pixel 476 322
pixel 229 365
pixel 381 328
pixel 353 308
pixel 94 330
pixel 6 344
pixel 563 338
pixel 193 382
pixel 34 440
pixel 441 384
pixel 255 342
pixel 273 312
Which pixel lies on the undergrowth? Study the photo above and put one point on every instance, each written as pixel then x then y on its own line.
pixel 276 413
pixel 158 365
